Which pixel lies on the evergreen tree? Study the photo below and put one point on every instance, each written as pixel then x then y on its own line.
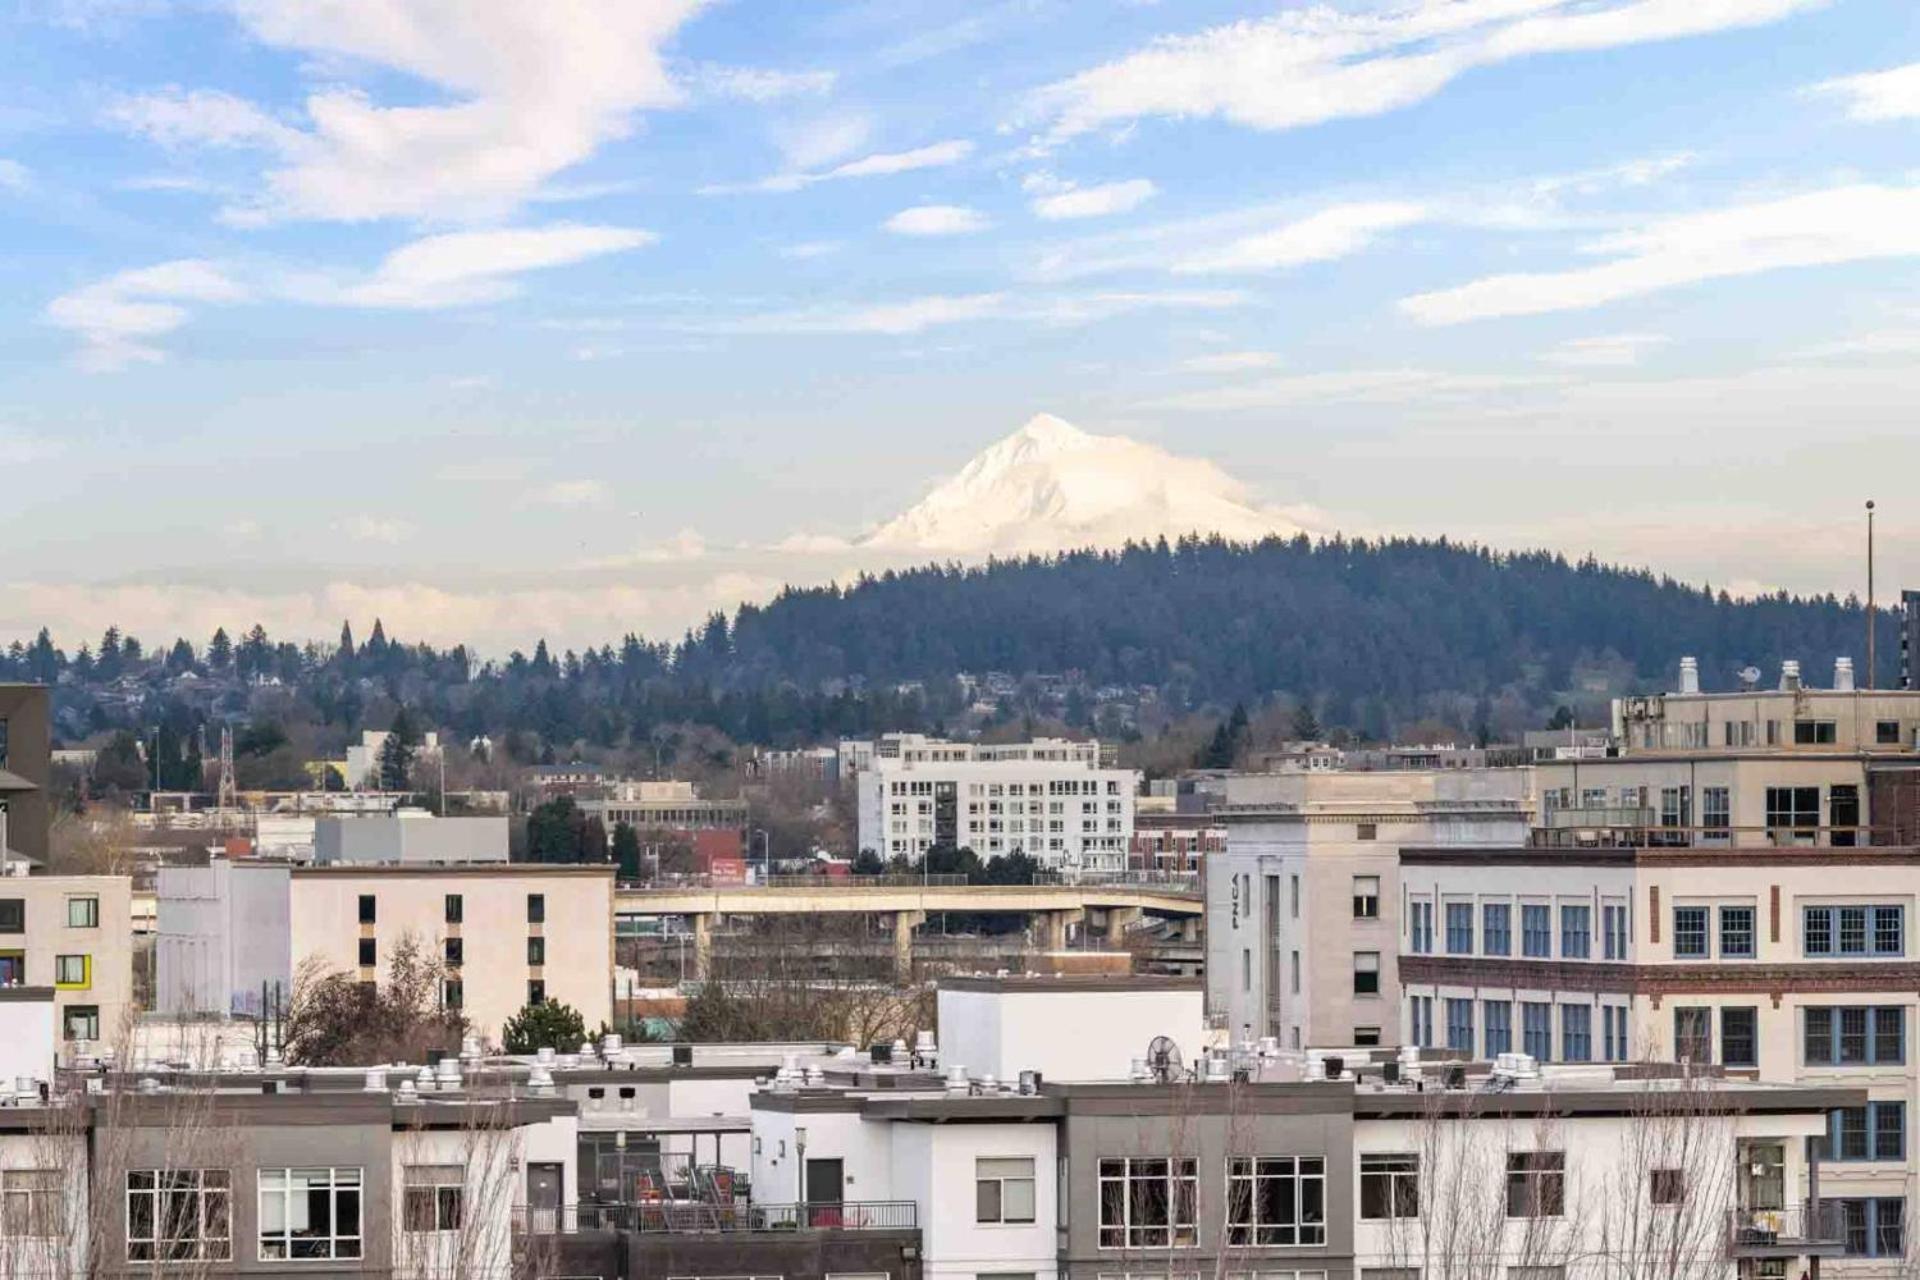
pixel 626 851
pixel 346 642
pixel 1306 725
pixel 397 752
pixel 219 650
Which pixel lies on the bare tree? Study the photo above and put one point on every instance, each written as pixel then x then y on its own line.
pixel 333 1019
pixel 1663 1212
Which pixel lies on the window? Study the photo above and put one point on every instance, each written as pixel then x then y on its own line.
pixel 536 908
pixel 1293 895
pixel 1536 1184
pixel 536 950
pixel 1794 808
pixel 1853 930
pixel 1693 1034
pixel 1148 1202
pixel 1576 932
pixel 1366 897
pixel 1676 812
pixel 1496 929
pixel 456 949
pixel 1536 930
pixel 1877 1131
pixel 309 1213
pixel 1613 927
pixel 1459 928
pixel 1003 1190
pixel 1716 812
pixel 368 914
pixel 1460 1025
pixel 1811 733
pixel 1576 1033
pixel 1389 1186
pixel 1366 831
pixel 1536 1029
pixel 368 953
pixel 1666 1186
pixel 1874 1228
pixel 33 1204
pixel 456 908
pixel 72 971
pixel 536 992
pixel 80 1022
pixel 83 913
pixel 1498 1015
pixel 1366 973
pixel 1887 733
pixel 1844 1036
pixel 1361 1036
pixel 453 993
pixel 1689 933
pixel 1736 933
pixel 1739 1037
pixel 1276 1200
pixel 436 1197
pixel 1614 1021
pixel 1421 940
pixel 13 915
pixel 1420 1017
pixel 179 1215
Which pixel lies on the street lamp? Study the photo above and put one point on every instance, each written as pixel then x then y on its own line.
pixel 800 1165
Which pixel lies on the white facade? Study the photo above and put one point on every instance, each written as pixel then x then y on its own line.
pixel 224 940
pixel 1050 799
pixel 1066 1028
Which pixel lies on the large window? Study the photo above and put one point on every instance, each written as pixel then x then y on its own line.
pixel 1614 1021
pixel 83 913
pixel 1366 973
pixel 1716 813
pixel 1794 809
pixel 179 1215
pixel 309 1213
pixel 13 915
pixel 436 1197
pixel 1690 933
pixel 1496 929
pixel 1460 1025
pixel 1613 921
pixel 1876 1131
pixel 1276 1200
pixel 1846 1036
pixel 1576 932
pixel 1366 897
pixel 1536 1184
pixel 1693 1034
pixel 1148 1202
pixel 1814 733
pixel 1874 1228
pixel 369 913
pixel 33 1204
pixel 1498 1015
pixel 80 1022
pixel 1576 1033
pixel 1003 1189
pixel 1459 928
pixel 1736 933
pixel 1854 930
pixel 1389 1186
pixel 1536 1029
pixel 1536 930
pixel 1420 1018
pixel 1421 929
pixel 1740 1037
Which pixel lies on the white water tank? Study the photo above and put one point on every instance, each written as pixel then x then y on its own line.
pixel 1843 675
pixel 1689 675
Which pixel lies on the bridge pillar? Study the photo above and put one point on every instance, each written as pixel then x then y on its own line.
pixel 1053 934
pixel 1190 929
pixel 904 923
pixel 702 945
pixel 1118 921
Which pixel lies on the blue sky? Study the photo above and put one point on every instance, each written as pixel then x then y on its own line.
pixel 502 319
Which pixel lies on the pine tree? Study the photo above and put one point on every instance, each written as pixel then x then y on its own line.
pixel 219 650
pixel 346 641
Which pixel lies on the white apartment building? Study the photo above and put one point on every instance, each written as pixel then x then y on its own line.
pixel 1304 907
pixel 75 935
pixel 1051 799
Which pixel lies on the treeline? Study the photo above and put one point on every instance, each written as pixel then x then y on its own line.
pixel 1369 634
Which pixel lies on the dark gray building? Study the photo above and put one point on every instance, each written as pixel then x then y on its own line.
pixel 26 769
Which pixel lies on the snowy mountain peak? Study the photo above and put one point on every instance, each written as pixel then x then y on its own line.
pixel 1051 486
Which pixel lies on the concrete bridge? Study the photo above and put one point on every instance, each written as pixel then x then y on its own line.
pixel 1113 906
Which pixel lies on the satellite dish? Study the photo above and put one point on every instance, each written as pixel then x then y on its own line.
pixel 1163 1059
pixel 1749 677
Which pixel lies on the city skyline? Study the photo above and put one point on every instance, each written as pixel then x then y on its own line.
pixel 313 316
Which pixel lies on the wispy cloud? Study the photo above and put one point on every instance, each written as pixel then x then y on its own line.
pixel 13 175
pixel 1332 233
pixel 916 315
pixel 1310 65
pixel 934 156
pixel 1846 224
pixel 1058 201
pixel 118 319
pixel 1364 386
pixel 464 267
pixel 1613 350
pixel 811 249
pixel 387 530
pixel 757 84
pixel 1893 94
pixel 937 220
pixel 534 90
pixel 1230 362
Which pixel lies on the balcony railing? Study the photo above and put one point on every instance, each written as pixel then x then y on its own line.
pixel 1804 1228
pixel 725 1219
pixel 1636 829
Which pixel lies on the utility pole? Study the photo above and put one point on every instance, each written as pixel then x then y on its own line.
pixel 1871 672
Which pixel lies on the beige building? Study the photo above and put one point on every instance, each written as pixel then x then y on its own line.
pixel 1304 906
pixel 508 935
pixel 74 934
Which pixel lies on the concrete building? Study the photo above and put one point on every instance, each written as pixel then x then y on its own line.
pixel 223 944
pixel 361 771
pixel 1304 909
pixel 26 771
pixel 1052 799
pixel 74 934
pixel 409 837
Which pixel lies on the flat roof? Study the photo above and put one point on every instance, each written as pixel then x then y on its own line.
pixel 1043 983
pixel 537 869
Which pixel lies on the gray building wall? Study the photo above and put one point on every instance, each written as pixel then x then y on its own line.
pixel 26 766
pixel 416 839
pixel 1209 1124
pixel 223 930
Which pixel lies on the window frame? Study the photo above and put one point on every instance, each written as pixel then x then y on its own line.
pixel 1393 1184
pixel 337 1189
pixel 434 1193
pixel 1503 911
pixel 999 1182
pixel 1246 1197
pixel 1539 1180
pixel 1179 1190
pixel 89 903
pixel 205 1187
pixel 1704 931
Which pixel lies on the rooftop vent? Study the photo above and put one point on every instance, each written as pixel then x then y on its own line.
pixel 1843 675
pixel 1689 675
pixel 957 1079
pixel 1790 676
pixel 376 1081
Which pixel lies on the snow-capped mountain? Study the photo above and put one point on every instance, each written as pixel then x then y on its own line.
pixel 1051 486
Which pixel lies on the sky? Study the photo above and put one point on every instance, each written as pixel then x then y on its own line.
pixel 502 321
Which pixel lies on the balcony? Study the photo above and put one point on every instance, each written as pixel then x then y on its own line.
pixel 738 1218
pixel 1801 1230
pixel 1618 828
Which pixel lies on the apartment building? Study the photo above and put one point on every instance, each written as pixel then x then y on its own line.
pixel 507 935
pixel 74 934
pixel 1304 907
pixel 26 771
pixel 1051 799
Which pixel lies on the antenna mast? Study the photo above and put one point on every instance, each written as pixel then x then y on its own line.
pixel 229 794
pixel 1871 672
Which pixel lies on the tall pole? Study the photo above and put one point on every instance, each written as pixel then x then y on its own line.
pixel 1870 617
